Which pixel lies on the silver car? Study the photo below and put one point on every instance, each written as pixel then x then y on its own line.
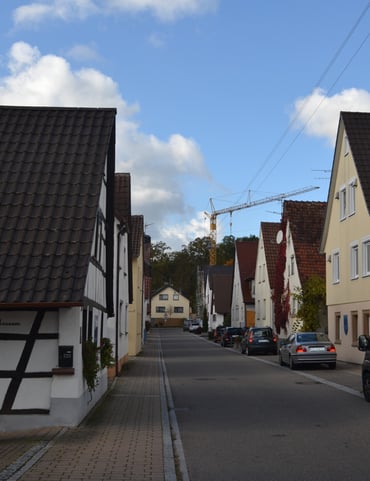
pixel 307 348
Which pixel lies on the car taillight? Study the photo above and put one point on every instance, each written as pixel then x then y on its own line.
pixel 274 338
pixel 331 348
pixel 301 349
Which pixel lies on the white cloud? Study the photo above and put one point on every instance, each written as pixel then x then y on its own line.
pixel 83 53
pixel 165 10
pixel 318 113
pixel 158 168
pixel 179 235
pixel 66 10
pixel 57 9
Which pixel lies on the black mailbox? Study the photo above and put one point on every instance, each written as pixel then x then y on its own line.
pixel 65 356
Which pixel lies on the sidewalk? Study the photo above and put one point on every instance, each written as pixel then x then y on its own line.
pixel 127 437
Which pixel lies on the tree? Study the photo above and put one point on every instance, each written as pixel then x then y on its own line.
pixel 312 303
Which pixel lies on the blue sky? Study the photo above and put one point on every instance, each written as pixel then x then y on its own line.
pixel 233 100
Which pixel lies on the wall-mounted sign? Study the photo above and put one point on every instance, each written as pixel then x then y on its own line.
pixel 65 357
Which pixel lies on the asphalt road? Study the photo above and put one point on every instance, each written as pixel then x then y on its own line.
pixel 247 418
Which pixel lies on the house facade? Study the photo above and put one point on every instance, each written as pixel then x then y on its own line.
pixel 265 274
pixel 298 260
pixel 346 238
pixel 218 291
pixel 243 286
pixel 136 314
pixel 56 260
pixel 169 308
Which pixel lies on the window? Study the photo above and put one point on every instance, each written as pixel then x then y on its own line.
pixel 343 202
pixel 352 197
pixel 346 146
pixel 178 310
pixel 354 321
pixel 291 265
pixel 335 264
pixel 337 327
pixel 366 257
pixel 365 322
pixel 160 309
pixel 354 261
pixel 176 297
pixel 163 297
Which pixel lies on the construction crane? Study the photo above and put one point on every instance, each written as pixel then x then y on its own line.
pixel 229 210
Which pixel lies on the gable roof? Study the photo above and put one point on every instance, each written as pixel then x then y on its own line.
pixel 269 231
pixel 137 238
pixel 356 125
pixel 246 252
pixel 220 282
pixel 52 165
pixel 306 222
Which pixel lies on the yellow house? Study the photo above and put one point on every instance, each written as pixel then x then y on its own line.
pixel 169 308
pixel 346 236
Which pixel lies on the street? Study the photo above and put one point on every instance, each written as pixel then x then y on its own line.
pixel 244 417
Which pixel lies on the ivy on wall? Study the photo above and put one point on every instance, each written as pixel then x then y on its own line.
pixel 281 296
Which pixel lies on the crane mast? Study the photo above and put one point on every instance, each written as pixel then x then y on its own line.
pixel 229 210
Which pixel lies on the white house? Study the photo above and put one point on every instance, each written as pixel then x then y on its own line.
pixel 265 273
pixel 243 286
pixel 56 260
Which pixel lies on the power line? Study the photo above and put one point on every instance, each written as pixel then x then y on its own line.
pixel 294 119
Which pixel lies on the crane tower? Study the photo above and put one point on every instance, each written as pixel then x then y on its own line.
pixel 229 210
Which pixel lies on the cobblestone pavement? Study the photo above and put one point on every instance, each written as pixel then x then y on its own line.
pixel 123 439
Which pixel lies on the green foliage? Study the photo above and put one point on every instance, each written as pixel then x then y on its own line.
pixel 90 364
pixel 179 269
pixel 106 353
pixel 312 303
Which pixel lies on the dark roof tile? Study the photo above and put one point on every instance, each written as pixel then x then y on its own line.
pixel 52 163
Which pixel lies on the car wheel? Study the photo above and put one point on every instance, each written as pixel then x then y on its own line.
pixel 292 364
pixel 366 386
pixel 332 365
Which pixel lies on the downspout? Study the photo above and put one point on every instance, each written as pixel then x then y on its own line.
pixel 118 311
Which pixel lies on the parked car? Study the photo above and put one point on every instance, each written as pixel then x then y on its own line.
pixel 364 346
pixel 259 340
pixel 186 324
pixel 217 333
pixel 195 327
pixel 308 348
pixel 229 335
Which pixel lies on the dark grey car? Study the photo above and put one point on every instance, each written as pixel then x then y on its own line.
pixel 259 340
pixel 308 348
pixel 364 346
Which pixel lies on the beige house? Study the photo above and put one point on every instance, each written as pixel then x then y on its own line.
pixel 169 308
pixel 346 237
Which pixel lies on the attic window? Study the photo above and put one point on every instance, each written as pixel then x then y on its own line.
pixel 352 196
pixel 343 202
pixel 346 146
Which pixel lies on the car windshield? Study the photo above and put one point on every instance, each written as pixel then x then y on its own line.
pixel 234 330
pixel 312 337
pixel 262 333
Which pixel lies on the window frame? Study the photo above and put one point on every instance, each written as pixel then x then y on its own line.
pixel 335 266
pixel 354 260
pixel 366 256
